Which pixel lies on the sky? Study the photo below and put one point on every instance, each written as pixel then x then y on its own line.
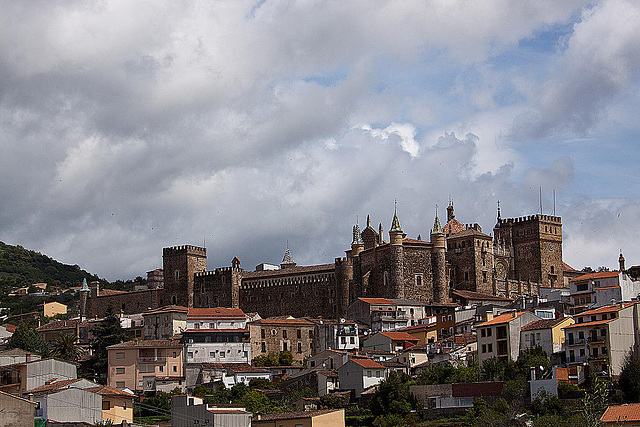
pixel 253 126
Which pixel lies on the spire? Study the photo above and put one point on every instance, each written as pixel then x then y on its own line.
pixel 621 261
pixel 437 228
pixel 84 285
pixel 498 222
pixel 395 224
pixel 368 221
pixel 287 259
pixel 357 237
pixel 380 235
pixel 450 214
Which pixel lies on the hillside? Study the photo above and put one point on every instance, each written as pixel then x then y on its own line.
pixel 22 267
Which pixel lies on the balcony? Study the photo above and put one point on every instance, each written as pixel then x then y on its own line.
pixel 597 340
pixel 151 359
pixel 579 341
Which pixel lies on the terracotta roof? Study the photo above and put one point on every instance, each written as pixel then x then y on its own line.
pixel 609 287
pixel 281 321
pixel 479 296
pixel 167 309
pixel 290 271
pixel 543 324
pixel 621 413
pixel 54 386
pixel 562 374
pixel 418 328
pixel 606 309
pixel 452 227
pixel 215 330
pixel 146 343
pixel 10 328
pixel 503 318
pixel 598 275
pixel 583 324
pixel 293 415
pixel 376 300
pixel 206 313
pixel 399 336
pixel 367 363
pixel 469 232
pixel 415 241
pixel 109 391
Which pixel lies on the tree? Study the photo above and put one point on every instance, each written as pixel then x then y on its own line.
pixel 108 332
pixel 256 402
pixel 65 348
pixel 594 402
pixel 392 397
pixel 285 358
pixel 629 381
pixel 26 338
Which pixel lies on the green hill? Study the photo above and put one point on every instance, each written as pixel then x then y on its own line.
pixel 22 267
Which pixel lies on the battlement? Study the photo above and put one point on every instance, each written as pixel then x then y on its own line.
pixel 184 249
pixel 530 219
pixel 474 226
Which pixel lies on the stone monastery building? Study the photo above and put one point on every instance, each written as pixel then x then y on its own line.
pixel 522 255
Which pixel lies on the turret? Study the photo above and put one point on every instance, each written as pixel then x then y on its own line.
pixel 438 264
pixel 450 214
pixel 287 260
pixel 357 244
pixel 395 233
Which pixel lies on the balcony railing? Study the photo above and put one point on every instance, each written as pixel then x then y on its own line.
pixel 151 359
pixel 579 341
pixel 594 340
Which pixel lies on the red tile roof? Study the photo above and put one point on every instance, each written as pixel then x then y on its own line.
pixel 606 309
pixel 503 318
pixel 109 391
pixel 236 367
pixel 598 275
pixel 367 363
pixel 107 292
pixel 218 312
pixel 583 324
pixel 215 330
pixel 54 386
pixel 376 300
pixel 399 336
pixel 621 413
pixel 452 227
pixel 567 267
pixel 543 324
pixel 58 325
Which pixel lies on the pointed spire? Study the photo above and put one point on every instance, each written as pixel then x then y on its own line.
pixel 419 237
pixel 357 237
pixel 287 259
pixel 368 221
pixel 84 285
pixel 437 228
pixel 395 224
pixel 498 210
pixel 380 234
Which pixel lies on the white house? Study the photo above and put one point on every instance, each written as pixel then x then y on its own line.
pixel 360 374
pixel 187 410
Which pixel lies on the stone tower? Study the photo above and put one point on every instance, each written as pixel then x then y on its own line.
pixel 84 296
pixel 536 244
pixel 438 263
pixel 180 263
pixel 393 278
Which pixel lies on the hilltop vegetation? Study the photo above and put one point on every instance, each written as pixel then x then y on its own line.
pixel 22 267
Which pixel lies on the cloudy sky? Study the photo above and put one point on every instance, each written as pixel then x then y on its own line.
pixel 126 127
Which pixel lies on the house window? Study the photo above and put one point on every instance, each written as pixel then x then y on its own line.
pixel 490 348
pixel 299 333
pixel 222 355
pixel 377 374
pixel 369 374
pixel 119 370
pixel 284 333
pixel 262 333
pixel 484 348
pixel 175 368
pixel 310 334
pixel 489 332
pixel 124 404
pixel 299 347
pixel 106 405
pixel 212 354
pixel 119 384
pixel 190 354
pixel 483 333
pixel 418 279
pixel 263 347
pixel 119 355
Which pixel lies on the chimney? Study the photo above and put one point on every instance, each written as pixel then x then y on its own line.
pixel 489 316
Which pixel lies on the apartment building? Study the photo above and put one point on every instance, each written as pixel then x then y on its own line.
pixel 602 287
pixel 500 336
pixel 136 364
pixel 603 336
pixel 217 335
pixel 383 314
pixel 164 322
pixel 277 334
pixel 547 334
